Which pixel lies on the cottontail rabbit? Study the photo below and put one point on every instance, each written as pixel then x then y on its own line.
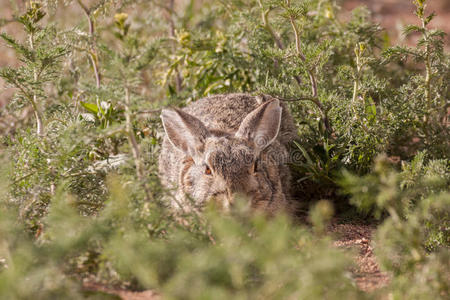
pixel 224 145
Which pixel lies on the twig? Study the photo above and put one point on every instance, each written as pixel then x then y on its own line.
pixel 298 48
pixel 21 178
pixel 314 97
pixel 311 74
pixel 131 137
pixel 88 203
pixel 170 12
pixel 359 65
pixel 178 78
pixel 88 15
pixel 148 111
pixel 314 100
pixel 32 99
pixel 37 112
pixel 428 69
pixel 96 71
pixel 92 55
pixel 276 38
pixel 264 16
pixel 82 173
pixel 356 82
pixel 4 22
pixel 134 145
pixel 301 98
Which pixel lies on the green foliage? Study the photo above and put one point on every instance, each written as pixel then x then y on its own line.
pixel 224 261
pixel 210 64
pixel 249 257
pixel 387 189
pixel 413 241
pixel 80 196
pixel 40 58
pixel 319 163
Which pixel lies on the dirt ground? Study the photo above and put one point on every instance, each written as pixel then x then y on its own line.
pixel 367 274
pixel 123 294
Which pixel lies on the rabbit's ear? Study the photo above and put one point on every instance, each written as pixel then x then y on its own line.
pixel 185 131
pixel 261 125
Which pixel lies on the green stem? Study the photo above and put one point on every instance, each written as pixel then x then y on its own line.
pixel 40 130
pixel 427 70
pixel 93 53
pixel 134 145
pixel 264 17
pixel 312 76
pixel 356 84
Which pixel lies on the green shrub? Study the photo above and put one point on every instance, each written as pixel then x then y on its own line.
pixel 238 255
pixel 414 238
pixel 81 199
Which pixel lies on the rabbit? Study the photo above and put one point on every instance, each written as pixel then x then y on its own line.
pixel 223 146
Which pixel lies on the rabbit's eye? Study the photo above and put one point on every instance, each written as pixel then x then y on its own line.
pixel 207 170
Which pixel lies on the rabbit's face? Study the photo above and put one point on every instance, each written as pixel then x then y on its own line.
pixel 227 167
pixel 220 165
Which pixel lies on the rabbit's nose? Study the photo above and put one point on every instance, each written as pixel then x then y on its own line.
pixel 231 197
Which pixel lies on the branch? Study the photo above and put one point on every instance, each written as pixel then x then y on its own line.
pixel 314 100
pixel 264 16
pixel 88 15
pixel 359 65
pixel 276 38
pixel 428 95
pixel 92 55
pixel 37 112
pixel 96 71
pixel 170 10
pixel 298 48
pixel 301 98
pixel 312 77
pixel 134 145
pixel 148 111
pixel 21 178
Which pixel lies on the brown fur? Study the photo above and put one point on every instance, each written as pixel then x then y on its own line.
pixel 214 142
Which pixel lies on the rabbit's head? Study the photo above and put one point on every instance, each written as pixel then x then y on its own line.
pixel 218 164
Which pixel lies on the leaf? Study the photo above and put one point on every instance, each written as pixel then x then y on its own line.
pixel 211 87
pixel 412 28
pixel 429 18
pixel 20 48
pixel 305 154
pixel 90 107
pixel 371 110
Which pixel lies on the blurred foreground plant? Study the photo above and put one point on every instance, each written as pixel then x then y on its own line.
pixel 414 238
pixel 241 255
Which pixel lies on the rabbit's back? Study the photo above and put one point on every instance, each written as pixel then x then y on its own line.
pixel 226 112
pixel 223 112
